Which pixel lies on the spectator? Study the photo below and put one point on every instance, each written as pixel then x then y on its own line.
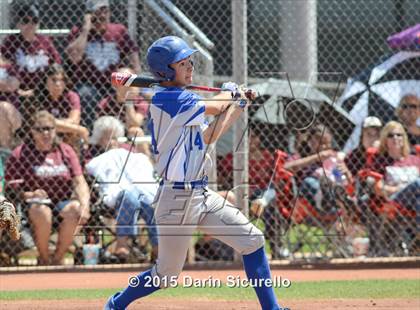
pixel 96 50
pixel 356 160
pixel 134 192
pixel 400 169
pixel 29 52
pixel 315 166
pixel 50 170
pixel 408 113
pixel 127 105
pixel 261 171
pixel 9 83
pixel 53 95
pixel 399 187
pixel 10 118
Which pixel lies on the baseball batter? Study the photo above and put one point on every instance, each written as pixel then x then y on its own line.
pixel 183 204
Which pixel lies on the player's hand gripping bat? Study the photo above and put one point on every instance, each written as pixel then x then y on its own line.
pixel 128 79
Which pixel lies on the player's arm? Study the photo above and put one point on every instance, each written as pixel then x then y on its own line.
pixel 224 120
pixel 218 104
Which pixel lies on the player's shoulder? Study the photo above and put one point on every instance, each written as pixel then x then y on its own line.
pixel 174 100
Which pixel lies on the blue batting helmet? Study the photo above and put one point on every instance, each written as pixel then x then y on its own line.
pixel 166 51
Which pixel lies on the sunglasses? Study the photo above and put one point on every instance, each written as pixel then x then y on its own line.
pixel 412 106
pixel 29 20
pixel 43 129
pixel 392 135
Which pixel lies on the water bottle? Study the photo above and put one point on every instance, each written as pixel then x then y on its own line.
pixel 339 177
pixel 91 251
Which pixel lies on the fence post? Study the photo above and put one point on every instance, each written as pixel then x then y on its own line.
pixel 299 33
pixel 132 19
pixel 240 76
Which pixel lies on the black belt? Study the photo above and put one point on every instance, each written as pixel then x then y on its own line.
pixel 188 185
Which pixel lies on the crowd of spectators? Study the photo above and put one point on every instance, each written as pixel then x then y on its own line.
pixel 329 185
pixel 59 115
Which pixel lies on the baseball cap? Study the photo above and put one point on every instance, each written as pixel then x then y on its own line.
pixel 372 121
pixel 93 5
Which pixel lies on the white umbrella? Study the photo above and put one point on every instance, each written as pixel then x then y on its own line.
pixel 292 105
pixel 379 90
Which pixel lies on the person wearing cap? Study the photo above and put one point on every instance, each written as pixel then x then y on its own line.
pixel 371 130
pixel 95 50
pixel 29 52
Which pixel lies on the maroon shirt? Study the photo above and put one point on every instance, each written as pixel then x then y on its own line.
pixel 31 59
pixel 6 72
pixel 62 107
pixel 104 53
pixel 51 171
pixel 110 106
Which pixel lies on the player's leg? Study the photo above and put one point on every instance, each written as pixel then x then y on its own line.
pixel 231 226
pixel 171 257
pixel 175 229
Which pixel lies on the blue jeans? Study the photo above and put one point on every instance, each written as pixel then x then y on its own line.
pixel 129 207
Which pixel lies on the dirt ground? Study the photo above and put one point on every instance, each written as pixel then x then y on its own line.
pixel 68 280
pixel 175 304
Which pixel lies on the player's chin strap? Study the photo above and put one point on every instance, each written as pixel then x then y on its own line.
pixel 258 270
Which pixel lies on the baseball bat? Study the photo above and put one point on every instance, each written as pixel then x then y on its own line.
pixel 128 79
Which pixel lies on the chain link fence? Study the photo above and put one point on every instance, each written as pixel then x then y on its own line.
pixel 328 175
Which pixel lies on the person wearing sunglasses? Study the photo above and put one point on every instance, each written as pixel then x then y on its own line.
pixel 54 189
pixel 28 51
pixel 400 185
pixel 408 113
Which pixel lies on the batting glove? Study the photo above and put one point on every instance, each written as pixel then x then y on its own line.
pixel 233 88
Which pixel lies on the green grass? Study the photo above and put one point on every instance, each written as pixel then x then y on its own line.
pixel 303 290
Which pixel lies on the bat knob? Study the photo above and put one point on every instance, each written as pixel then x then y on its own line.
pixel 119 78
